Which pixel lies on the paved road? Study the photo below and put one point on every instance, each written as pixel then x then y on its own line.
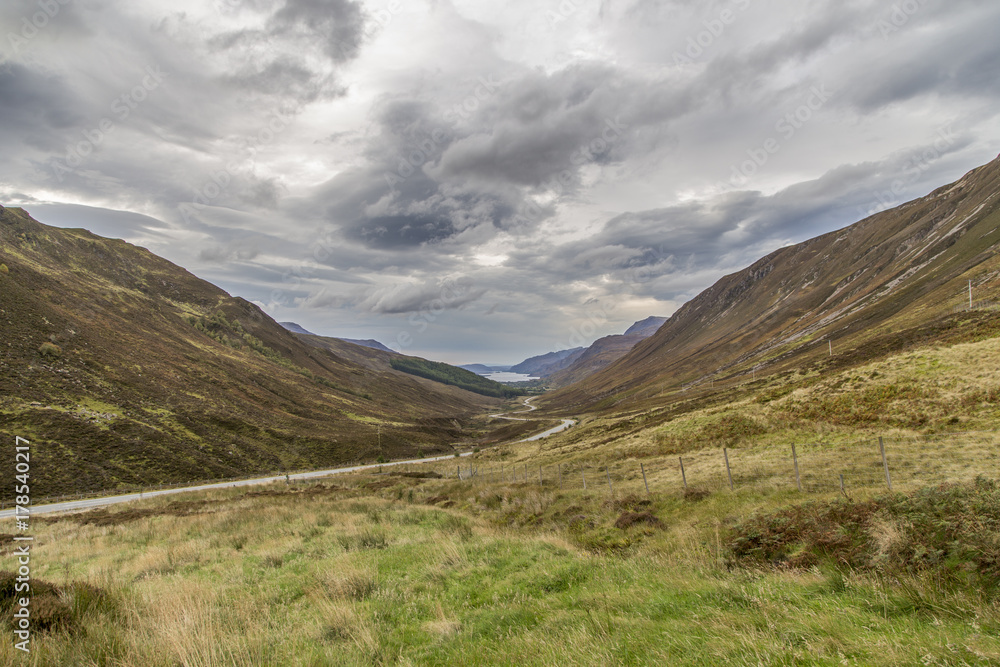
pixel 566 423
pixel 91 503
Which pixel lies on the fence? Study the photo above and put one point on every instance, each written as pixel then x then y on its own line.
pixel 886 463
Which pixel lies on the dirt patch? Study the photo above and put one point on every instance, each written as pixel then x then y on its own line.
pixel 630 503
pixel 419 475
pixel 443 501
pixel 694 495
pixel 632 518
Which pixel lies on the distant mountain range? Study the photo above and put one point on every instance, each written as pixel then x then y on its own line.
pixel 900 276
pixel 374 344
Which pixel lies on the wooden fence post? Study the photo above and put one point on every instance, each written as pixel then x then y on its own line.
pixel 560 475
pixel 795 459
pixel 885 463
pixel 683 475
pixel 583 474
pixel 643 469
pixel 608 471
pixel 539 475
pixel 725 453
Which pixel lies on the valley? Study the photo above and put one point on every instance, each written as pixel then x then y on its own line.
pixel 799 466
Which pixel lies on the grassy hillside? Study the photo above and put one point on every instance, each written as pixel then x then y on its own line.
pixel 124 368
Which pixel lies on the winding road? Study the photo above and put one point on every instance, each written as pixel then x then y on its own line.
pixel 566 423
pixel 91 503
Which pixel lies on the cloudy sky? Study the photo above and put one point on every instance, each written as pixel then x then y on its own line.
pixel 477 181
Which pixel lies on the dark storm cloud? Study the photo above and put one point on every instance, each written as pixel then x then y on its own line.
pixel 468 166
pixel 35 107
pixel 339 24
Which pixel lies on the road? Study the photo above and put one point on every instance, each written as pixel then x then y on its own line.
pixel 91 503
pixel 566 423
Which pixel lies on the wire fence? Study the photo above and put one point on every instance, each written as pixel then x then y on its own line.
pixel 894 463
pixel 886 463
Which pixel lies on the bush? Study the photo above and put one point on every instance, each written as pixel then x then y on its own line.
pixel 3 269
pixel 50 350
pixel 950 530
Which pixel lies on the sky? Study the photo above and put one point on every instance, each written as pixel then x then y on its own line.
pixel 480 182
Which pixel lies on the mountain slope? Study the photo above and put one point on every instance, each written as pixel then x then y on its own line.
pixel 368 342
pixel 547 364
pixel 605 351
pixel 646 327
pixel 133 370
pixel 900 270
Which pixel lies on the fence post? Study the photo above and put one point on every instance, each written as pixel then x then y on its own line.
pixel 560 475
pixel 842 484
pixel 683 476
pixel 539 475
pixel 795 459
pixel 643 469
pixel 885 463
pixel 729 472
pixel 459 473
pixel 583 474
pixel 608 471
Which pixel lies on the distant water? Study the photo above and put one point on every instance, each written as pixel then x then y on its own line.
pixel 509 377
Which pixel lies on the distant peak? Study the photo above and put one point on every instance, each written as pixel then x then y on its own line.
pixel 295 328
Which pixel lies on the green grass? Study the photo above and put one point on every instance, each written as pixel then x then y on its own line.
pixel 366 573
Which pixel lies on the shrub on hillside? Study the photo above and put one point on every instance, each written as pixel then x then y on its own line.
pixel 952 530
pixel 50 350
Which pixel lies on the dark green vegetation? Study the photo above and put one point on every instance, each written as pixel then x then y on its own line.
pixel 455 376
pixel 122 368
pixel 951 532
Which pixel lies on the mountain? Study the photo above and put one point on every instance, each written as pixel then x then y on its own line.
pixel 604 351
pixel 374 344
pixel 546 364
pixel 296 328
pixel 121 368
pixel 368 342
pixel 879 285
pixel 477 368
pixel 646 327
